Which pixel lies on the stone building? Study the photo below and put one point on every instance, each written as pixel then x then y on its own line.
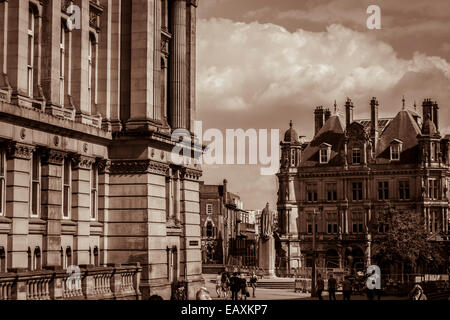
pixel 90 91
pixel 227 234
pixel 348 174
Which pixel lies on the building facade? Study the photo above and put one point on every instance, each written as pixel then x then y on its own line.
pixel 90 92
pixel 228 235
pixel 349 173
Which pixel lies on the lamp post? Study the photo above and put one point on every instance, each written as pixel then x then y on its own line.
pixel 314 250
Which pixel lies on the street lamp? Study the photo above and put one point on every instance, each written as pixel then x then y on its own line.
pixel 314 250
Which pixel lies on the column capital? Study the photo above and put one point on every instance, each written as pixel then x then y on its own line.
pixel 51 156
pixel 20 150
pixel 82 162
pixel 193 3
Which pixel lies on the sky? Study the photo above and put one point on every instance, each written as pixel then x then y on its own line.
pixel 262 63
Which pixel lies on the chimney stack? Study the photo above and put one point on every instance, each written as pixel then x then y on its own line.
pixel 427 107
pixel 225 191
pixel 319 119
pixel 374 121
pixel 348 112
pixel 327 114
pixel 436 115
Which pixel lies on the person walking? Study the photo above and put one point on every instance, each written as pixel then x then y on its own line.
pixel 347 288
pixel 219 284
pixel 417 293
pixel 234 286
pixel 332 288
pixel 320 286
pixel 243 283
pixel 253 281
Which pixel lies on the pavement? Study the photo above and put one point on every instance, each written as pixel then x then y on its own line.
pixel 281 294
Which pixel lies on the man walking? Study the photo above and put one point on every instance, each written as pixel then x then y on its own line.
pixel 320 286
pixel 347 288
pixel 253 281
pixel 332 288
pixel 234 286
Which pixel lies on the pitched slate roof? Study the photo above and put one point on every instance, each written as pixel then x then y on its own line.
pixel 331 133
pixel 404 128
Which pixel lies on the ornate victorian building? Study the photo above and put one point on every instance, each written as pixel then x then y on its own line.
pixel 90 92
pixel 349 173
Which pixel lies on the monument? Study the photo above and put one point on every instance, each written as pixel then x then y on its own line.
pixel 267 243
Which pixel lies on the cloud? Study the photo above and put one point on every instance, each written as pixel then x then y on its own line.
pixel 253 75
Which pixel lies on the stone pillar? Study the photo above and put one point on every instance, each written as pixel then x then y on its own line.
pixel 143 65
pixel 81 207
pixel 18 202
pixel 51 57
pixel 103 208
pixel 51 200
pixel 116 25
pixel 292 189
pixel 80 47
pixel 267 256
pixel 178 75
pixel 192 57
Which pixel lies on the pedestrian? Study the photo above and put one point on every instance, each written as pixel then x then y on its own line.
pixel 219 284
pixel 332 288
pixel 320 286
pixel 347 288
pixel 370 293
pixel 253 281
pixel 417 293
pixel 243 284
pixel 234 286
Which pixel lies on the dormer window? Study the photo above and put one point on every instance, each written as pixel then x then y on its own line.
pixel 325 151
pixel 356 156
pixel 396 149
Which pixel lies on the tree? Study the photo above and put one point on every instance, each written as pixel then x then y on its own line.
pixel 403 240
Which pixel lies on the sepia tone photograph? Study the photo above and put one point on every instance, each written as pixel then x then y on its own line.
pixel 240 151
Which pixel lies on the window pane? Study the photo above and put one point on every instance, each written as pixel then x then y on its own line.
pixel 35 198
pixel 66 199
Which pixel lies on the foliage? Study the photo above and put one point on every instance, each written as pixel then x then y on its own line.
pixel 406 241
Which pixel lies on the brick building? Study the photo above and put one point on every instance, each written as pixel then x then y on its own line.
pixel 86 117
pixel 349 173
pixel 227 232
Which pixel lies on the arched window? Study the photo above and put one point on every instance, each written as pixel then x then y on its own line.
pixel 2 183
pixel 209 229
pixel 33 42
pixel 92 72
pixel 2 260
pixel 68 259
pixel 30 259
pixel 96 257
pixel 37 264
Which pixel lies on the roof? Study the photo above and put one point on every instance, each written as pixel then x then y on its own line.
pixel 382 123
pixel 404 128
pixel 331 133
pixel 291 135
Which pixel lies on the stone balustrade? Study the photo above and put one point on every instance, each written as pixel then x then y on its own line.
pixel 93 283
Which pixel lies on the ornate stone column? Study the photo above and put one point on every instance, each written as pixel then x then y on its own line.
pixel 178 75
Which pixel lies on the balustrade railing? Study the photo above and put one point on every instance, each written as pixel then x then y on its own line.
pixel 113 282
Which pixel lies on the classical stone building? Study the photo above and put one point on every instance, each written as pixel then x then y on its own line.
pixel 227 232
pixel 349 173
pixel 90 92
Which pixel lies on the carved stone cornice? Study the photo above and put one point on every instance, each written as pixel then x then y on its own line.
pixel 104 166
pixel 193 3
pixel 82 162
pixel 50 156
pixel 138 166
pixel 19 151
pixel 190 174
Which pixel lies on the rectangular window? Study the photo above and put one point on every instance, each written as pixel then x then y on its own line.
pixel 67 193
pixel 62 64
pixel 335 228
pixel 90 72
pixel 30 59
pixel 356 156
pixel 323 155
pixel 395 152
pixel 293 162
pixel 35 185
pixel 357 191
pixel 433 192
pixel 311 191
pixel 360 228
pixel 331 189
pixel 383 190
pixel 330 228
pixel 2 183
pixel 310 228
pixel 94 192
pixel 404 192
pixel 209 209
pixel 355 228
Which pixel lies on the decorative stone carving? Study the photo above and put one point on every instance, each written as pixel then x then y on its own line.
pixel 50 156
pixel 82 162
pixel 190 174
pixel 104 166
pixel 138 166
pixel 20 151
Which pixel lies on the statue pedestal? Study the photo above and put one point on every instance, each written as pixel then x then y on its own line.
pixel 267 256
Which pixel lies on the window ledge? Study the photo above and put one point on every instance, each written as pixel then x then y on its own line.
pixel 37 221
pixel 5 220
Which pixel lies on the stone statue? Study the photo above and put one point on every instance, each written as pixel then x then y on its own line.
pixel 266 222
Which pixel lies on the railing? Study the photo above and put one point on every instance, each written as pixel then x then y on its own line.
pixel 100 283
